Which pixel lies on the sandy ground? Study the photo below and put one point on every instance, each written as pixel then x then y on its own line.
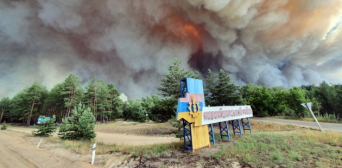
pixel 19 150
pixel 308 124
pixel 111 138
pixel 15 151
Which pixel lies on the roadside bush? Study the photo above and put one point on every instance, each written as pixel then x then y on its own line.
pixel 46 128
pixel 81 125
pixel 4 126
pixel 178 125
pixel 135 111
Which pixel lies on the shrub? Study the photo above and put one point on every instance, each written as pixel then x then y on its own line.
pixel 4 126
pixel 178 125
pixel 47 128
pixel 81 125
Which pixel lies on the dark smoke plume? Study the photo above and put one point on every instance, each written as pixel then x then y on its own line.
pixel 130 42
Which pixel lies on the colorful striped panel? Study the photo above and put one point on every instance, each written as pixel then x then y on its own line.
pixel 188 98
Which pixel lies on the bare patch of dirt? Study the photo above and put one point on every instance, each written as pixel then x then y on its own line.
pixel 17 151
pixel 112 138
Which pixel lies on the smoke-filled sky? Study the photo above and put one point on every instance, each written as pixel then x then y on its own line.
pixel 130 42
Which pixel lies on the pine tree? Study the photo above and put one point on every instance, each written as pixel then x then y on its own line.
pixel 227 92
pixel 170 82
pixel 35 95
pixel 89 94
pixel 70 85
pixel 81 125
pixel 54 104
pixel 47 128
pixel 210 90
pixel 103 102
pixel 115 102
pixel 4 126
pixel 4 106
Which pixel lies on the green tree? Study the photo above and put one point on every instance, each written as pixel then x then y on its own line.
pixel 54 103
pixel 35 95
pixel 4 126
pixel 4 106
pixel 46 128
pixel 134 110
pixel 221 90
pixel 70 85
pixel 115 102
pixel 210 90
pixel 89 97
pixel 103 102
pixel 294 98
pixel 170 82
pixel 81 125
pixel 227 91
pixel 266 103
pixel 170 87
pixel 244 92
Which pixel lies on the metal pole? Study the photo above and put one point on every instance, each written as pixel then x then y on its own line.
pixel 314 117
pixel 93 157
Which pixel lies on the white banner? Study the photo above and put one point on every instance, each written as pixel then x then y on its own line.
pixel 225 113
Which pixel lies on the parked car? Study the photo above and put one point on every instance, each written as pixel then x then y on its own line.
pixel 41 120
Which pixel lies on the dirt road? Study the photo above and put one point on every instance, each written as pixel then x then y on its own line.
pixel 308 124
pixel 16 152
pixel 111 138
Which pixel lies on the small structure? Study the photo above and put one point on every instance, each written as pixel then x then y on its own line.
pixel 196 116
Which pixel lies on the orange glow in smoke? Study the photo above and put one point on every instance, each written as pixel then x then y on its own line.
pixel 192 33
pixel 185 30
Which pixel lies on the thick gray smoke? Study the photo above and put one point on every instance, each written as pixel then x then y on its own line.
pixel 130 42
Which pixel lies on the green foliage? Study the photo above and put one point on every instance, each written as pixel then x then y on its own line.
pixel 221 90
pixel 4 126
pixel 46 128
pixel 265 103
pixel 294 98
pixel 115 102
pixel 134 110
pixel 105 104
pixel 178 125
pixel 81 125
pixel 170 82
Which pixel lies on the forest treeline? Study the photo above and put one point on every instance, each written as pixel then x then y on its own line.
pixel 104 102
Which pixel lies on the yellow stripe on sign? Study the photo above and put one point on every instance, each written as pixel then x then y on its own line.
pixel 188 117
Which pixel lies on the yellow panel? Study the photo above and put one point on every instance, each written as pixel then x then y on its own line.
pixel 200 137
pixel 196 121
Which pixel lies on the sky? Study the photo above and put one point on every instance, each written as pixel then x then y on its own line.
pixel 130 43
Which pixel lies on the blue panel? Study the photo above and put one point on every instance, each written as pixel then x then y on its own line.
pixel 194 86
pixel 183 107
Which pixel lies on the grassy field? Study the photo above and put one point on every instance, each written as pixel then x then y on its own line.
pixel 270 145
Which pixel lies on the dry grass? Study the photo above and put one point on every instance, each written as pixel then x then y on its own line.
pixel 83 147
pixel 304 148
pixel 147 129
pixel 319 118
pixel 271 145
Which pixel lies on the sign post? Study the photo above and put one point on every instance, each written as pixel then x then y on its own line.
pixel 93 158
pixel 192 110
pixel 308 106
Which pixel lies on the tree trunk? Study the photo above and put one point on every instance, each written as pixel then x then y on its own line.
pixel 102 116
pixel 95 104
pixel 2 113
pixel 72 98
pixel 29 117
pixel 111 107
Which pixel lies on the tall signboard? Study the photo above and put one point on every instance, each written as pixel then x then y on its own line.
pixel 192 110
